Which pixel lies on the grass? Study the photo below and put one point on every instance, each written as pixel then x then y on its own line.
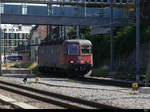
pixel 101 71
pixel 29 66
pixel 9 64
pixel 119 74
pixel 33 66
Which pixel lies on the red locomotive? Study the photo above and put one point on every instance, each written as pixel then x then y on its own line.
pixel 71 56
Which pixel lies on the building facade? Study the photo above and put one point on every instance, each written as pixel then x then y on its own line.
pixel 13 36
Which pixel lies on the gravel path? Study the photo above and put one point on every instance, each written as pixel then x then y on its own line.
pixel 4 106
pixel 36 103
pixel 116 96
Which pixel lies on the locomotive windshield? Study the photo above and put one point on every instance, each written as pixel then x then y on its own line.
pixel 73 49
pixel 85 49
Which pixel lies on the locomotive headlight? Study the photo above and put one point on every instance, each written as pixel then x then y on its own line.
pixel 71 61
pixel 81 62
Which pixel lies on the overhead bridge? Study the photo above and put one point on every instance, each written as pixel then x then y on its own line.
pixel 66 15
pixel 91 3
pixel 61 20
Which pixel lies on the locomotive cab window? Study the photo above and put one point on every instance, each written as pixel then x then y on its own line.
pixel 85 49
pixel 73 49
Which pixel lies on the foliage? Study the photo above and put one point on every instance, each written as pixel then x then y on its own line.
pixel 124 43
pixel 101 46
pixel 101 71
pixel 71 33
pixel 32 66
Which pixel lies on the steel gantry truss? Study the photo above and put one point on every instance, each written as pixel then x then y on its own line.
pixel 84 20
pixel 92 3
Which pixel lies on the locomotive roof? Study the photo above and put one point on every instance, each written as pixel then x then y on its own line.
pixel 78 41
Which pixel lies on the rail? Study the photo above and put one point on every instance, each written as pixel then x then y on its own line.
pixel 41 95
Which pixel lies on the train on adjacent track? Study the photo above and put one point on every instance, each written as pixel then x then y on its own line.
pixel 72 57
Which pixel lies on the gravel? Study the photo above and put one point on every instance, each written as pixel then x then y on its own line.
pixel 116 96
pixel 5 106
pixel 20 98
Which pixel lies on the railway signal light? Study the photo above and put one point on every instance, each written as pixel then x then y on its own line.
pixel 37 79
pixel 135 85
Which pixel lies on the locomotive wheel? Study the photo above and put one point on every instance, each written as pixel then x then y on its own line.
pixel 41 69
pixel 68 74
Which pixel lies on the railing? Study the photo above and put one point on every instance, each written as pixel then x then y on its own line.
pixel 74 2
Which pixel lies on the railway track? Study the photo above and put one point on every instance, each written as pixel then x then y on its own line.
pixel 4 105
pixel 112 82
pixel 53 98
pixel 119 83
pixel 105 82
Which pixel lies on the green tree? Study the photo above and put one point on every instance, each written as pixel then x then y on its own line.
pixel 71 33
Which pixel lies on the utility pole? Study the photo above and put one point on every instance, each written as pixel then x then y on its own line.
pixel 85 9
pixel 147 78
pixel 137 40
pixel 4 47
pixel 111 39
pixel 77 30
pixel 0 39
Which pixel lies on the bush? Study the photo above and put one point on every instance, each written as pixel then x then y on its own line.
pixel 124 43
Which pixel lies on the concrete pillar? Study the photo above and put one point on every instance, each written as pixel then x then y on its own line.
pixel 60 32
pixel 50 10
pixel 63 32
pixel 24 8
pixel 1 8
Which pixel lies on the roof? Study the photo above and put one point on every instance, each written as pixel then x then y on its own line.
pixel 78 41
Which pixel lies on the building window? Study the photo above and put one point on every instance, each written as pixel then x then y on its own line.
pixel 19 28
pixel 36 40
pixel 12 35
pixel 20 35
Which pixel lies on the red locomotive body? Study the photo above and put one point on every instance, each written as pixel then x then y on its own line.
pixel 71 56
pixel 79 56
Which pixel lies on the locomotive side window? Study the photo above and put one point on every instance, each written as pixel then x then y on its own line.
pixel 85 49
pixel 73 49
